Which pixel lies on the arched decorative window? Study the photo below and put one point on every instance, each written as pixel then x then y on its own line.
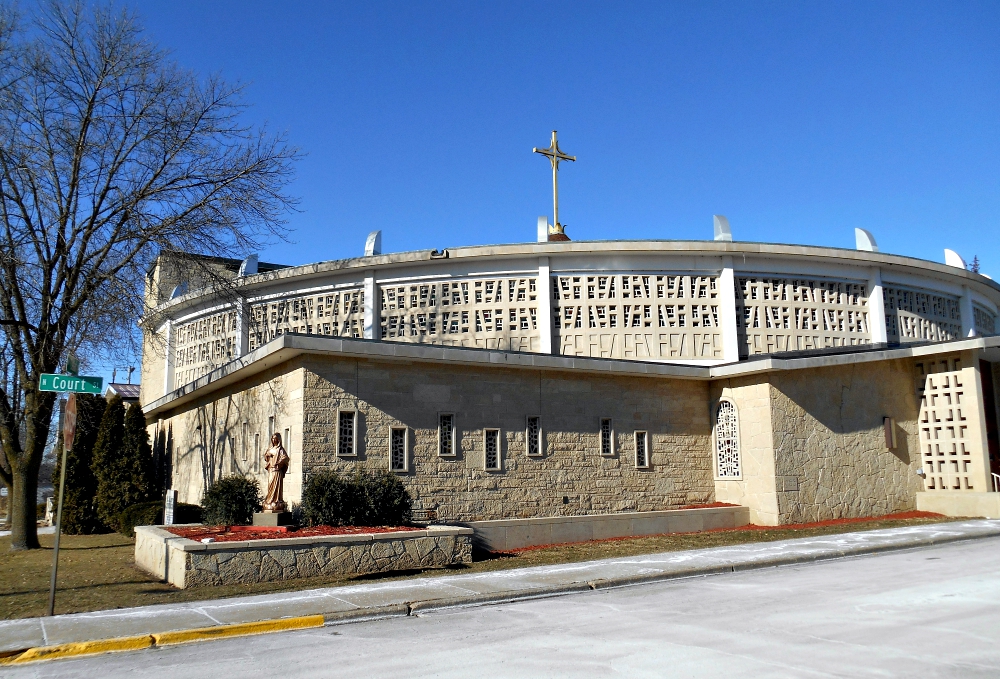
pixel 727 441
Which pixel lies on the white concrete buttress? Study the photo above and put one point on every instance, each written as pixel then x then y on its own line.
pixel 371 330
pixel 242 328
pixel 965 308
pixel 876 307
pixel 727 312
pixel 545 321
pixel 168 358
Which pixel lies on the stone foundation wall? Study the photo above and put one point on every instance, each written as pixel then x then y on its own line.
pixel 185 563
pixel 569 478
pixel 830 457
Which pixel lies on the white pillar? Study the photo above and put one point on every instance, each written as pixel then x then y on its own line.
pixel 168 358
pixel 371 330
pixel 876 307
pixel 965 308
pixel 727 312
pixel 242 328
pixel 544 287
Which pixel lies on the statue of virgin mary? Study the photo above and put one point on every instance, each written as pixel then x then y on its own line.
pixel 276 464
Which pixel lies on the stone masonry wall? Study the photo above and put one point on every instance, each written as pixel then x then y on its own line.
pixel 571 477
pixel 271 564
pixel 829 446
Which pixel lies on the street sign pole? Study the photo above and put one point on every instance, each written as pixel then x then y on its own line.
pixel 69 433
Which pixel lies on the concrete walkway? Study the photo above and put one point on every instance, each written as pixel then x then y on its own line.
pixel 408 597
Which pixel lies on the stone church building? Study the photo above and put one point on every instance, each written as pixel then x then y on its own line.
pixel 579 378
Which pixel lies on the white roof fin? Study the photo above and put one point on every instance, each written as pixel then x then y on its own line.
pixel 722 230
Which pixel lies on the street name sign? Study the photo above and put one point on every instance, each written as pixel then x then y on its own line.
pixel 82 384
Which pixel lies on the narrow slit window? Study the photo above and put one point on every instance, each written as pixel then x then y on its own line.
pixel 534 436
pixel 446 435
pixel 491 449
pixel 245 441
pixel 398 461
pixel 607 437
pixel 256 452
pixel 642 449
pixel 286 441
pixel 347 439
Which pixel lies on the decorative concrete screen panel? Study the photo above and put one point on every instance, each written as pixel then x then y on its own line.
pixel 794 314
pixel 338 313
pixel 985 321
pixel 644 316
pixel 727 442
pixel 948 449
pixel 203 345
pixel 489 313
pixel 913 315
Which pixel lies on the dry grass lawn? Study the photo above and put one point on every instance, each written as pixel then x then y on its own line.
pixel 98 572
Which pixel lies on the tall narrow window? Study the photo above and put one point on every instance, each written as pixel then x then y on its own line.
pixel 727 441
pixel 642 449
pixel 245 441
pixel 398 461
pixel 534 436
pixel 286 441
pixel 607 437
pixel 491 448
pixel 256 452
pixel 446 435
pixel 347 444
pixel 270 429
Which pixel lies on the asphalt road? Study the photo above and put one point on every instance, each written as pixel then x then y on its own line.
pixel 931 612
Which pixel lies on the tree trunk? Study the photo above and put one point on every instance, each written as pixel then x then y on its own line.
pixel 24 509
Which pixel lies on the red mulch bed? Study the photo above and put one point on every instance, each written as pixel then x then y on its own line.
pixel 710 505
pixel 788 526
pixel 241 533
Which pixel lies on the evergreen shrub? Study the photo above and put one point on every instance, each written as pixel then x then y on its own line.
pixel 363 499
pixel 79 514
pixel 151 514
pixel 122 462
pixel 231 501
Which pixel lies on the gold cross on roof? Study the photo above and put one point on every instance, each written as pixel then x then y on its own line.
pixel 555 154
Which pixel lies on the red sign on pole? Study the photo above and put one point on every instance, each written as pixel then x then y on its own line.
pixel 69 422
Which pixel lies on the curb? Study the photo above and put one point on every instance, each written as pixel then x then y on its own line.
pixel 136 643
pixel 73 650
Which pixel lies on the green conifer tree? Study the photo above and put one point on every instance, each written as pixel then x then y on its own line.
pixel 79 515
pixel 114 488
pixel 139 454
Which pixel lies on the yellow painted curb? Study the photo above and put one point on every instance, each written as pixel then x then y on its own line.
pixel 82 648
pixel 239 630
pixel 162 639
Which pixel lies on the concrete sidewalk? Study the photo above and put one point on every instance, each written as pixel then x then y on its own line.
pixel 410 597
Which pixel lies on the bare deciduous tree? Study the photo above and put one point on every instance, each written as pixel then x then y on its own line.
pixel 109 153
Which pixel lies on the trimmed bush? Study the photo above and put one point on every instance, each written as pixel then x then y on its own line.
pixel 138 454
pixel 364 499
pixel 151 514
pixel 231 501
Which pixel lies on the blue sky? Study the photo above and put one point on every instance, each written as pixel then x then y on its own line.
pixel 799 121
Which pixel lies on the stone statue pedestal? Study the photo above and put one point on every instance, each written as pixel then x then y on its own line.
pixel 272 519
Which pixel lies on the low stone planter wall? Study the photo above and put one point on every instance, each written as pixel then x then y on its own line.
pixel 505 534
pixel 186 563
